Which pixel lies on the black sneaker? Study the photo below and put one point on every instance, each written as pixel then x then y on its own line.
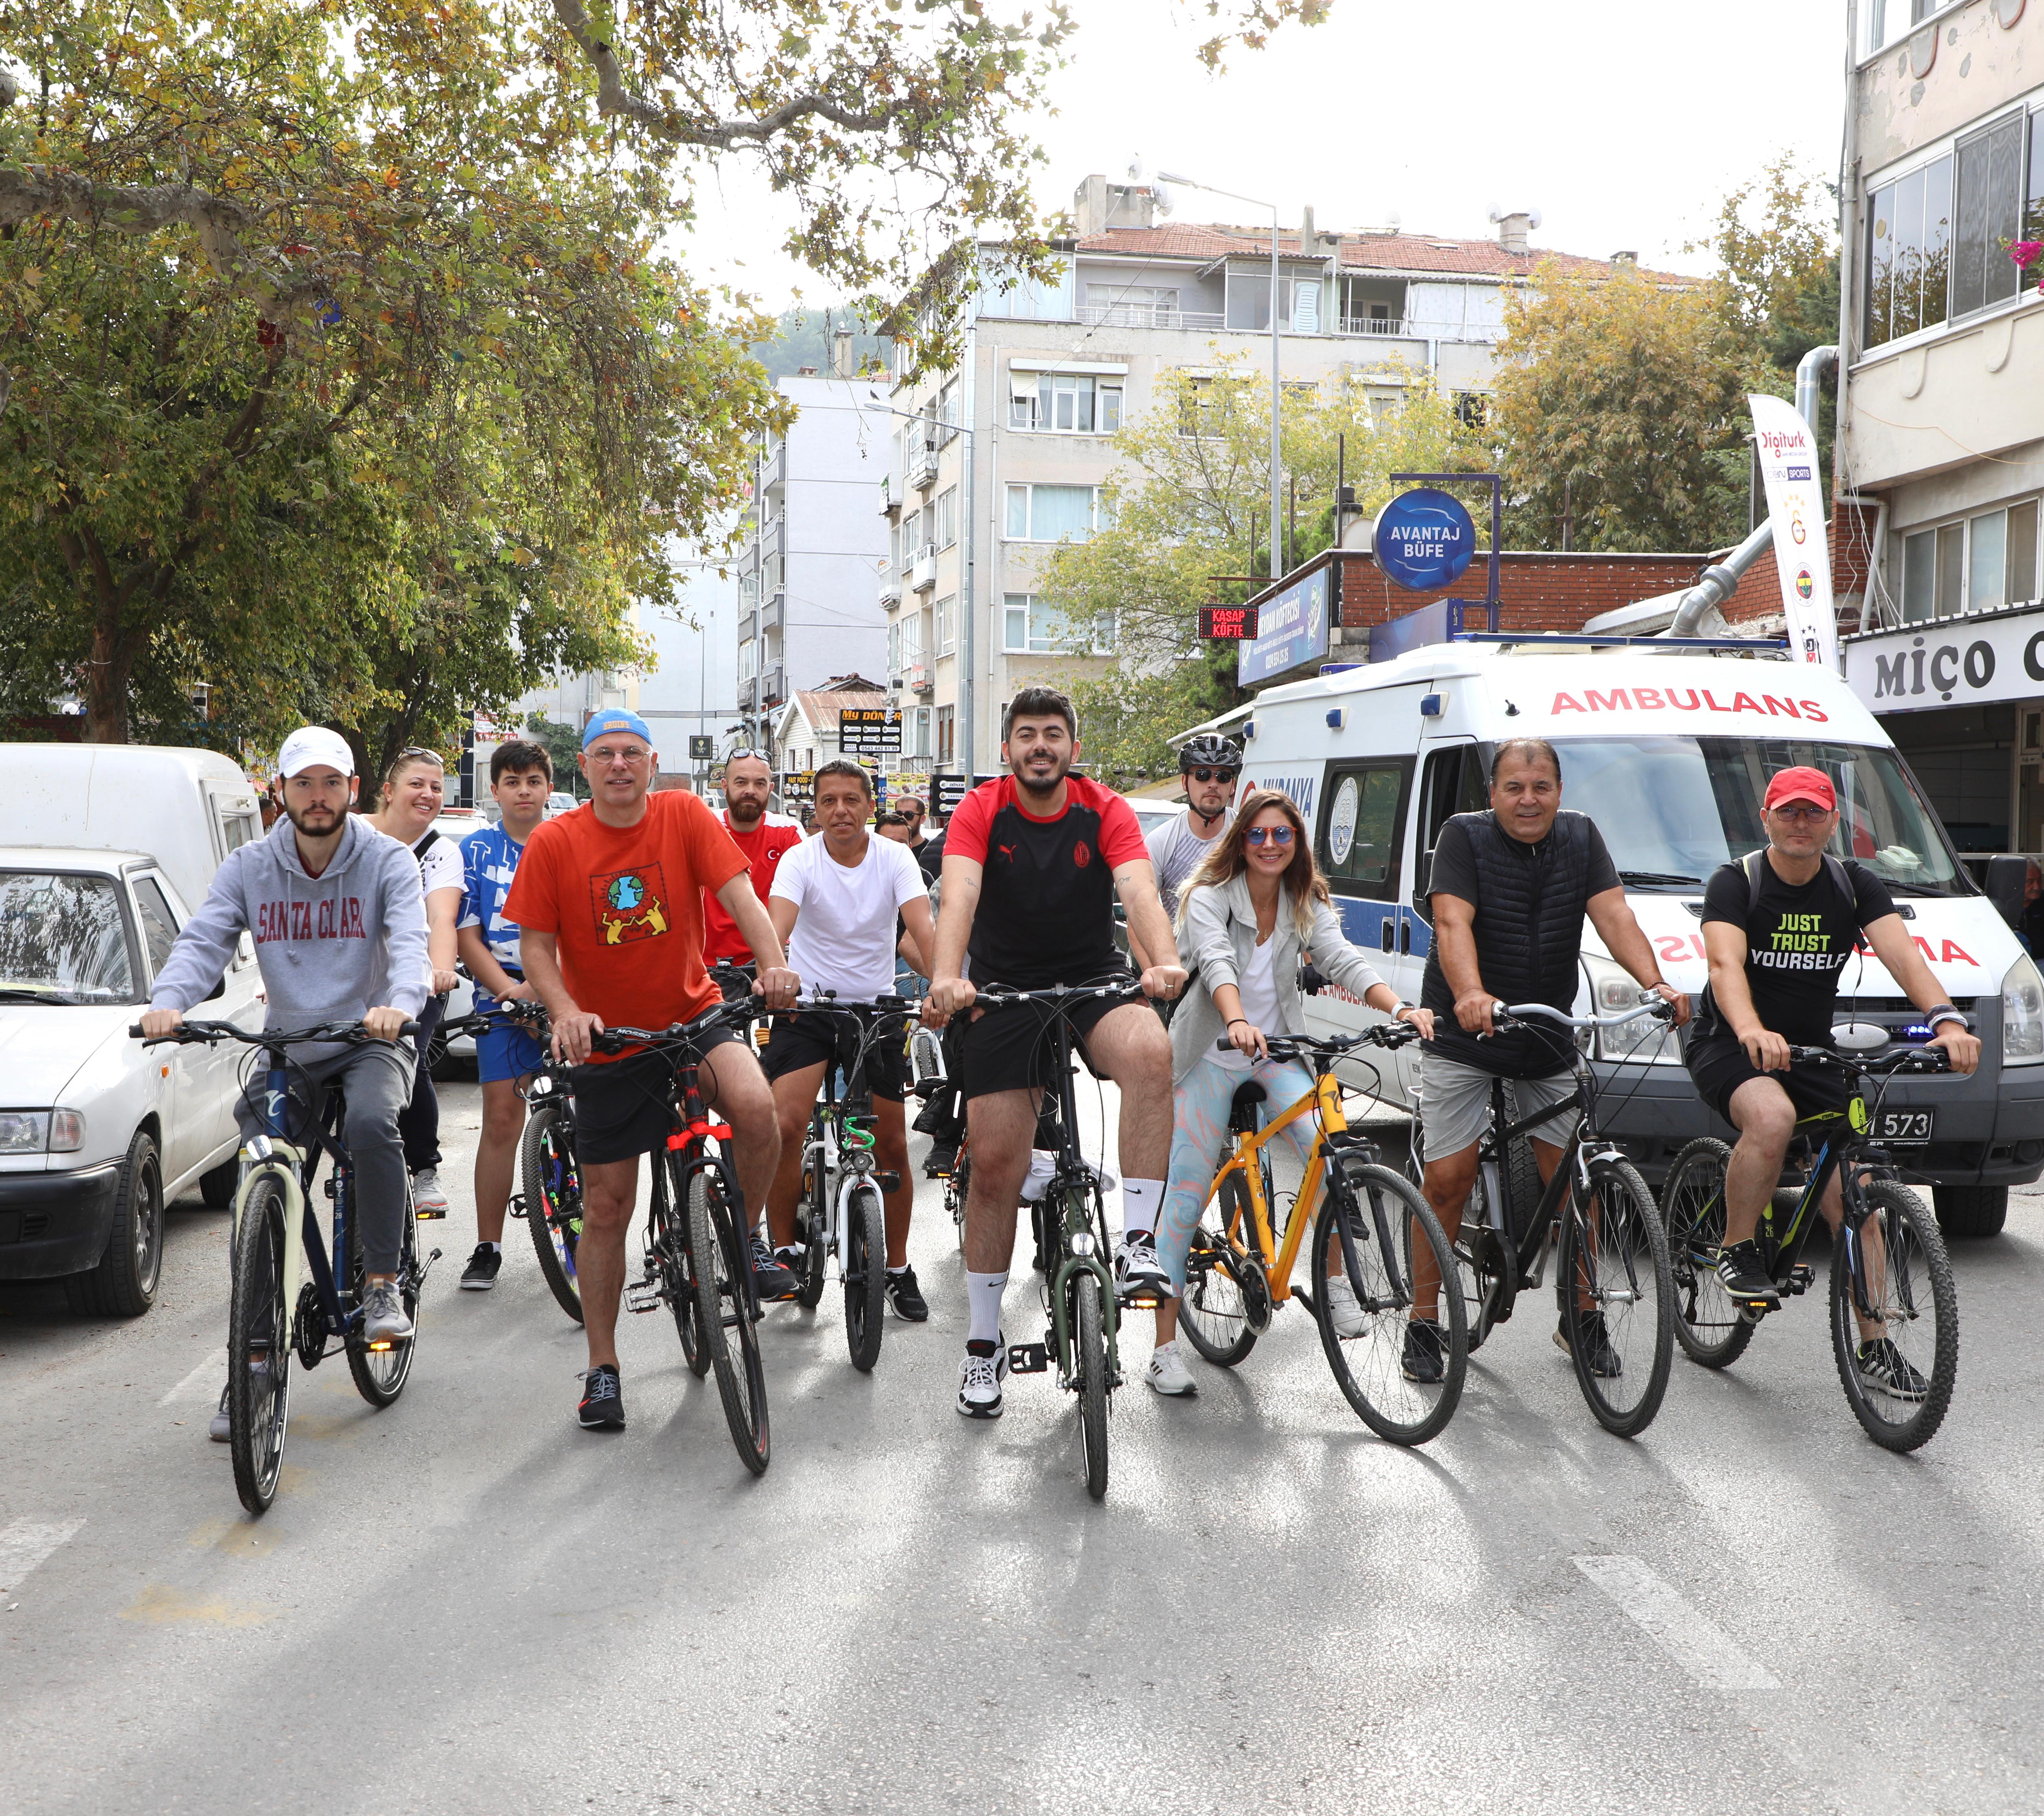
pixel 1745 1278
pixel 909 1302
pixel 770 1279
pixel 943 1159
pixel 602 1406
pixel 1426 1352
pixel 480 1275
pixel 935 1117
pixel 1602 1358
pixel 1884 1367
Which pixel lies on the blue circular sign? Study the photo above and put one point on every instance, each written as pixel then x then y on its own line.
pixel 1424 540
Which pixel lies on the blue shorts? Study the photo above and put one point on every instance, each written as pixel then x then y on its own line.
pixel 504 1052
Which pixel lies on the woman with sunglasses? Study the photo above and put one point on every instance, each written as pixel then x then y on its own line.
pixel 1254 907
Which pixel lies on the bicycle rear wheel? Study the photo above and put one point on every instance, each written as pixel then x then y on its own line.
pixel 1369 1222
pixel 552 1189
pixel 718 1247
pixel 1900 1403
pixel 1621 1343
pixel 865 1276
pixel 1708 1325
pixel 258 1360
pixel 1091 1343
pixel 1213 1311
pixel 812 1221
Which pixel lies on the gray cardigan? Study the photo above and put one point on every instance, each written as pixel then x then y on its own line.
pixel 1219 933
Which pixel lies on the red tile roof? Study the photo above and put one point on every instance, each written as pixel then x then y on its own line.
pixel 821 706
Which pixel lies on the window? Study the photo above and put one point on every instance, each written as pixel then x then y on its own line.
pixel 912 642
pixel 2033 211
pixel 1249 298
pixel 894 648
pixel 748 659
pixel 1985 561
pixel 1987 215
pixel 922 739
pixel 159 931
pixel 1454 783
pixel 1199 412
pixel 947 735
pixel 1034 628
pixel 1887 20
pixel 1024 300
pixel 947 530
pixel 1359 841
pixel 1053 514
pixel 1132 306
pixel 943 612
pixel 1071 403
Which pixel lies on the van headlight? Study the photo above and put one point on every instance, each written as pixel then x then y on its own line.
pixel 2023 1013
pixel 24 1131
pixel 1614 991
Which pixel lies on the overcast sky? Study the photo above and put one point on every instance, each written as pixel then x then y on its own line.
pixel 1623 123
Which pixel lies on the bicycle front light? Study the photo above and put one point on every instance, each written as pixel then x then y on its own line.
pixel 2023 1013
pixel 1614 991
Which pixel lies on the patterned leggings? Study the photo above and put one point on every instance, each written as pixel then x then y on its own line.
pixel 1199 1121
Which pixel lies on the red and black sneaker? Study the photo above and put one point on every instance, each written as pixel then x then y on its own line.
pixel 602 1407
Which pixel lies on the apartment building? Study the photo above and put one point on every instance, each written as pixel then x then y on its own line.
pixel 1942 398
pixel 997 461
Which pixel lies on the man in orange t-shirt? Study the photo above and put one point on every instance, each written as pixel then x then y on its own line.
pixel 608 901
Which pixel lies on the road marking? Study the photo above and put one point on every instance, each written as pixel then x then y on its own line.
pixel 200 1383
pixel 26 1543
pixel 1705 1651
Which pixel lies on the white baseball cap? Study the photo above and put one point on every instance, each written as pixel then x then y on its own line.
pixel 312 744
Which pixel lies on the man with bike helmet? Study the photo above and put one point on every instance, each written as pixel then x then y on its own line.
pixel 1210 766
pixel 339 926
pixel 1780 926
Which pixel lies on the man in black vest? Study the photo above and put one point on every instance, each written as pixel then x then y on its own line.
pixel 1510 888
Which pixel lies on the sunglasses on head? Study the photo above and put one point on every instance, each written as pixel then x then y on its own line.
pixel 732 757
pixel 1277 834
pixel 1213 775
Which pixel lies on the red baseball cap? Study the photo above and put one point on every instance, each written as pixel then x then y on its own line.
pixel 1812 785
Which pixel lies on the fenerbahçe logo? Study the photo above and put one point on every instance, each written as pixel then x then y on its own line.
pixel 629 905
pixel 1805 584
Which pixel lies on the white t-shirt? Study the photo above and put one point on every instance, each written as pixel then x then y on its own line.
pixel 844 934
pixel 440 866
pixel 1259 991
pixel 1175 851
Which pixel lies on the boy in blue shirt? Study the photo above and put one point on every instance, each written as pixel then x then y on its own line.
pixel 521 775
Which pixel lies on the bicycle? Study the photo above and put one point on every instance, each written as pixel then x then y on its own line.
pixel 1238 1273
pixel 1881 1281
pixel 1078 1288
pixel 697 1239
pixel 841 1219
pixel 276 1237
pixel 1597 1215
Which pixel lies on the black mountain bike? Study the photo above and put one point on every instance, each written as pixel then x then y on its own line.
pixel 1889 1270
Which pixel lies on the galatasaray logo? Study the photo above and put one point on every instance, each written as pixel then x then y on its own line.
pixel 1805 584
pixel 1796 527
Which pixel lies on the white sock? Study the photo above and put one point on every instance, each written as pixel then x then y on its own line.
pixel 895 1273
pixel 1141 1200
pixel 983 1292
pixel 494 1248
pixel 1043 1164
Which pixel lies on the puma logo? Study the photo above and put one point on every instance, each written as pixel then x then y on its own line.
pixel 1007 852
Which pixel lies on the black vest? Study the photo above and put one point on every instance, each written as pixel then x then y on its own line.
pixel 1529 937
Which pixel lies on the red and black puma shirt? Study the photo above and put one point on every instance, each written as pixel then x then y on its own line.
pixel 1046 912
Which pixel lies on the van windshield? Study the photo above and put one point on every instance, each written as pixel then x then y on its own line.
pixel 63 939
pixel 1672 809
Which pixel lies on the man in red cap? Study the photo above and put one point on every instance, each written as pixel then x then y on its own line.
pixel 1779 926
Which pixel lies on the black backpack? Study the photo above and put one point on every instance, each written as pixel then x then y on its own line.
pixel 1752 861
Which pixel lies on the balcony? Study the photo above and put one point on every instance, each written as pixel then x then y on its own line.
pixel 774 537
pixel 890 505
pixel 923 463
pixel 1147 315
pixel 773 467
pixel 1373 325
pixel 923 569
pixel 890 585
pixel 919 678
pixel 770 686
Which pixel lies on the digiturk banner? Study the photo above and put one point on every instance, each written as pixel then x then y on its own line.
pixel 1795 507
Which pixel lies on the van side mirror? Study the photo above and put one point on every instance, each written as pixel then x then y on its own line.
pixel 2005 879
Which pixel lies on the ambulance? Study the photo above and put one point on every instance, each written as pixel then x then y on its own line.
pixel 1667 745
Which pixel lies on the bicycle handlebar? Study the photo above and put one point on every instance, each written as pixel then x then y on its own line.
pixel 1293 1045
pixel 1909 1059
pixel 189 1034
pixel 1520 1010
pixel 827 1000
pixel 999 996
pixel 676 1033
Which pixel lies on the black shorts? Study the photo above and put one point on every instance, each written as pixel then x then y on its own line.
pixel 813 1037
pixel 1718 1066
pixel 621 1108
pixel 1010 1048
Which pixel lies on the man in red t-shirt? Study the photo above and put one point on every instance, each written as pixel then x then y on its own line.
pixel 608 901
pixel 1033 862
pixel 765 839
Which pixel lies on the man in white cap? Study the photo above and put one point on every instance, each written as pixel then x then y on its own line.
pixel 340 935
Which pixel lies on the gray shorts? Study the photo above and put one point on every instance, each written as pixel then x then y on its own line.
pixel 1452 1102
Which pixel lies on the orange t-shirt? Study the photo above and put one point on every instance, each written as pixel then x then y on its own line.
pixel 624 905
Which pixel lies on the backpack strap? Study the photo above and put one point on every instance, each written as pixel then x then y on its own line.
pixel 1752 861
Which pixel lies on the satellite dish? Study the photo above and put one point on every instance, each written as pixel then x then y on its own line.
pixel 1136 167
pixel 1393 221
pixel 1161 198
pixel 1533 220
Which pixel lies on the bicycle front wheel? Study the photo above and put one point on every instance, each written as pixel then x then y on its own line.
pixel 670 1257
pixel 552 1189
pixel 1708 1325
pixel 258 1360
pixel 1618 1298
pixel 813 1222
pixel 1091 1342
pixel 865 1276
pixel 724 1300
pixel 1403 1383
pixel 1899 1382
pixel 1213 1311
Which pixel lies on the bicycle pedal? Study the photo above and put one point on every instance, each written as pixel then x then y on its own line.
pixel 429 1216
pixel 516 1208
pixel 1800 1279
pixel 890 1182
pixel 1028 1359
pixel 642 1296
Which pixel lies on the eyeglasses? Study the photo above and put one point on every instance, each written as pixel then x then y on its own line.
pixel 1809 813
pixel 1213 775
pixel 604 754
pixel 1277 834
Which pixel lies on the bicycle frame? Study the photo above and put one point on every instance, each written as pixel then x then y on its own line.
pixel 1078 1191
pixel 274 1152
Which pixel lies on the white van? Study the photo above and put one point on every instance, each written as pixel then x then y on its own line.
pixel 108 849
pixel 1668 748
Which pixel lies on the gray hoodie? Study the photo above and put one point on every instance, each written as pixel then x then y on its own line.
pixel 330 946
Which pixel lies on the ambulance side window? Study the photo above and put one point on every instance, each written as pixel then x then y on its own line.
pixel 1454 782
pixel 1360 823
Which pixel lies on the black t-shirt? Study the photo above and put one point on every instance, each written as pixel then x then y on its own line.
pixel 929 857
pixel 1798 940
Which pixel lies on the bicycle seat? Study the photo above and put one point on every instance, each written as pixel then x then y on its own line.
pixel 1248 1095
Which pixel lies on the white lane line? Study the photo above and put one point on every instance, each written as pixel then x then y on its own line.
pixel 1705 1651
pixel 26 1543
pixel 202 1382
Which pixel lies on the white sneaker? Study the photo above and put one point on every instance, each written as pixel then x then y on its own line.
pixel 1167 1373
pixel 427 1199
pixel 979 1381
pixel 384 1319
pixel 1136 1269
pixel 1043 1164
pixel 1344 1313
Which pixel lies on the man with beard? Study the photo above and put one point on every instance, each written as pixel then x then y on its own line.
pixel 1033 861
pixel 339 926
pixel 765 839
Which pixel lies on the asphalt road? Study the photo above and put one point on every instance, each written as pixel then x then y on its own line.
pixel 466 1603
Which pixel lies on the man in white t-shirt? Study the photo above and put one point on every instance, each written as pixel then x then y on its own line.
pixel 833 903
pixel 1211 767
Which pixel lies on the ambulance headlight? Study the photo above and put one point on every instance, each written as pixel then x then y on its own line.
pixel 2023 1013
pixel 1613 991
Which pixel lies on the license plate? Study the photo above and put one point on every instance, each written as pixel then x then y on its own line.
pixel 1903 1128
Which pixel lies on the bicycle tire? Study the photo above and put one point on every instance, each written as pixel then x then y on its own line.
pixel 1916 1257
pixel 1631 1261
pixel 1368 1365
pixel 552 1187
pixel 259 1398
pixel 957 1187
pixel 1091 1346
pixel 816 1213
pixel 865 1276
pixel 380 1375
pixel 1708 1326
pixel 1213 1311
pixel 667 1244
pixel 720 1253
